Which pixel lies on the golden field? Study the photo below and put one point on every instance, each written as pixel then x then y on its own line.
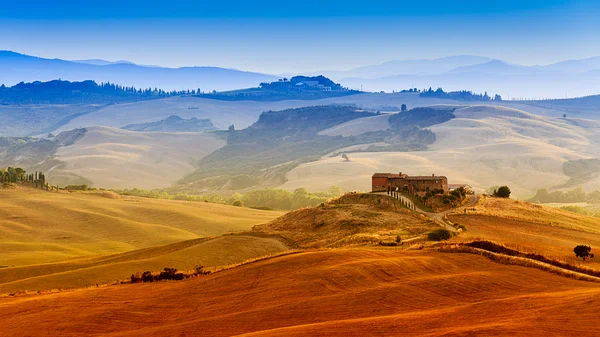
pixel 342 292
pixel 39 227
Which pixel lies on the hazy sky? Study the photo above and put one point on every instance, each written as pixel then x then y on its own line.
pixel 287 36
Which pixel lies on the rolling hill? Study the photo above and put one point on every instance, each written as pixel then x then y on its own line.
pixel 353 219
pixel 40 227
pixel 532 228
pixel 213 252
pixel 15 68
pixel 114 158
pixel 353 292
pixel 485 145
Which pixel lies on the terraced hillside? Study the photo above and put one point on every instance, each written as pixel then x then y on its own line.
pixel 327 293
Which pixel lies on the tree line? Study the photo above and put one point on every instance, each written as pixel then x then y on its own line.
pixel 268 198
pixel 19 175
pixel 574 195
pixel 464 95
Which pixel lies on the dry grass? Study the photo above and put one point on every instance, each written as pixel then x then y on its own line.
pixel 534 213
pixel 212 253
pixel 40 227
pixel 351 219
pixel 502 254
pixel 531 228
pixel 354 292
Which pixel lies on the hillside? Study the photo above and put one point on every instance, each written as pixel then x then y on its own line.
pixel 184 255
pixel 16 68
pixel 483 146
pixel 334 292
pixel 281 140
pixel 85 92
pixel 113 158
pixel 174 123
pixel 531 227
pixel 351 219
pixel 39 227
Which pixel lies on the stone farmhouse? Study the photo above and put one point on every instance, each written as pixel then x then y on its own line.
pixel 420 185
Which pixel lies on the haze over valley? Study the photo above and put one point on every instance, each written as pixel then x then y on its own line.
pixel 315 169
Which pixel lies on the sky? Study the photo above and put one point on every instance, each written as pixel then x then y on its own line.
pixel 300 36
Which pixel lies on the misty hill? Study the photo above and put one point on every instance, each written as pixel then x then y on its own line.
pixel 87 92
pixel 592 63
pixel 410 67
pixel 263 153
pixel 296 88
pixel 15 68
pixel 174 123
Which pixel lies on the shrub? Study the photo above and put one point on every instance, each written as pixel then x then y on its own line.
pixel 147 276
pixel 462 227
pixel 387 244
pixel 77 187
pixel 439 235
pixel 502 192
pixel 238 203
pixel 583 252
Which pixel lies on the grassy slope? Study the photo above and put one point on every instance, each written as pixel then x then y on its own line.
pixel 550 231
pixel 185 255
pixel 38 226
pixel 326 293
pixel 351 219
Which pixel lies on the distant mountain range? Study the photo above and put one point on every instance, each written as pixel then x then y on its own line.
pixel 571 78
pixel 15 68
pixel 574 78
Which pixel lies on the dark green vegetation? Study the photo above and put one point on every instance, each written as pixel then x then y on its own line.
pixel 581 170
pixel 267 199
pixel 174 123
pixel 439 235
pixel 298 87
pixel 18 175
pixel 583 252
pixel 574 195
pixel 502 192
pixel 261 154
pixel 65 92
pixel 463 95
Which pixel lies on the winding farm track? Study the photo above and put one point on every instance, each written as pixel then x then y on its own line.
pixel 440 217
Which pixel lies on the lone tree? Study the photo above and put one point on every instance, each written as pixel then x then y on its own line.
pixel 502 192
pixel 345 157
pixel 583 252
pixel 403 108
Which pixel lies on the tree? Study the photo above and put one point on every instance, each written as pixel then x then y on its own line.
pixel 502 192
pixel 238 203
pixel 398 239
pixel 564 115
pixel 583 252
pixel 403 108
pixel 345 157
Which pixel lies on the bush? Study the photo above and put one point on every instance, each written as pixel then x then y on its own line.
pixel 583 252
pixel 77 187
pixel 502 192
pixel 439 235
pixel 459 226
pixel 388 244
pixel 238 203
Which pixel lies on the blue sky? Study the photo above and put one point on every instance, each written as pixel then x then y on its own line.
pixel 294 36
